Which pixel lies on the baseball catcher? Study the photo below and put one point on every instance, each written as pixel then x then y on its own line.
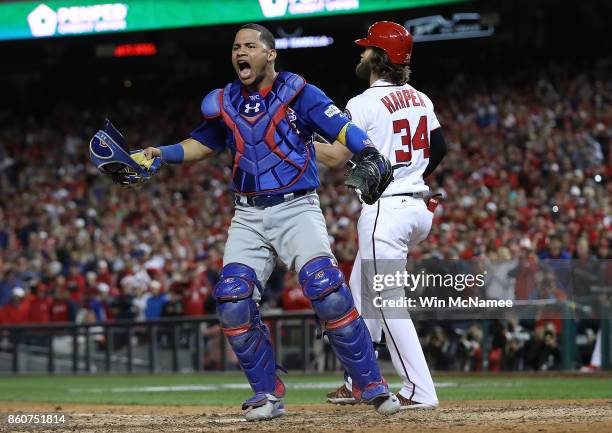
pixel 266 119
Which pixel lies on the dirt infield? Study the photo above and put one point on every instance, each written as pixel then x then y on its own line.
pixel 467 416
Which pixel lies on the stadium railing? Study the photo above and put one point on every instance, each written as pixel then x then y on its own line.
pixel 186 344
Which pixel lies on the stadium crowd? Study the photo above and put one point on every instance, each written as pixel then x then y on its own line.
pixel 525 180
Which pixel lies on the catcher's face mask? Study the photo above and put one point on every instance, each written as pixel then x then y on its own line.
pixel 109 152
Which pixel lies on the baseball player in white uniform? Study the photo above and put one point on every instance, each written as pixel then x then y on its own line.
pixel 402 124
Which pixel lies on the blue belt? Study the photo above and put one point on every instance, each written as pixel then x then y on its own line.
pixel 268 200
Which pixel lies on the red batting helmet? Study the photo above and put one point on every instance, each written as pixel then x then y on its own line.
pixel 391 37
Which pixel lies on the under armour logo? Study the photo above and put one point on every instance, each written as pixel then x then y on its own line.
pixel 248 108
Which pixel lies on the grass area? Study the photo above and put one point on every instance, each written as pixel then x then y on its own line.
pixel 230 389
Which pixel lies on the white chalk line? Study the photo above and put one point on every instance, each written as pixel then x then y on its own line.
pixel 226 386
pixel 143 417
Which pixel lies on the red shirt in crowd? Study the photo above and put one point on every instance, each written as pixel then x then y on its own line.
pixel 77 283
pixel 40 310
pixel 12 314
pixel 60 310
pixel 193 301
pixel 293 298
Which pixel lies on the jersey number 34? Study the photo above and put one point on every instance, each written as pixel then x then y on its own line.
pixel 420 140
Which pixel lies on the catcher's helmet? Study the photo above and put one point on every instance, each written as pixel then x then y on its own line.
pixel 391 37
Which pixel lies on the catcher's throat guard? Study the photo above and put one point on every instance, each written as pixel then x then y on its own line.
pixel 109 151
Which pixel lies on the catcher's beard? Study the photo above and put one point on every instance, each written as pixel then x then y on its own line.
pixel 363 70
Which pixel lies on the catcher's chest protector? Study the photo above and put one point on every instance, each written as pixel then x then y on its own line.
pixel 269 155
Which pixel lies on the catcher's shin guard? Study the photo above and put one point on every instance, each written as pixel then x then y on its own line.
pixel 323 283
pixel 246 333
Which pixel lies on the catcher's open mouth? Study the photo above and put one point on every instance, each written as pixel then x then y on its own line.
pixel 244 69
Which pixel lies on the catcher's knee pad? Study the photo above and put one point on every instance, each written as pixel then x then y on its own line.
pixel 324 284
pixel 246 333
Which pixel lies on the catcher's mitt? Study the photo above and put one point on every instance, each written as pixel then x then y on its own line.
pixel 110 153
pixel 370 174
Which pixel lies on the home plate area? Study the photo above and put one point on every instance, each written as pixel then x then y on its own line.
pixel 550 416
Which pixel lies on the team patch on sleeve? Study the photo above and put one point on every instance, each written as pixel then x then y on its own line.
pixel 332 110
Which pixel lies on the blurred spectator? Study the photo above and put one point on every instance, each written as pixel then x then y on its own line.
pixel 104 274
pixel 499 282
pixel 173 307
pixel 292 297
pixel 525 271
pixel 438 349
pixel 75 283
pixel 557 259
pixel 140 301
pixel 469 350
pixel 543 352
pixel 8 282
pixel 516 337
pixel 63 308
pixel 555 250
pixel 585 270
pixel 91 283
pixel 548 289
pixel 40 306
pixel 98 303
pixel 122 306
pixel 156 302
pixel 194 298
pixel 15 312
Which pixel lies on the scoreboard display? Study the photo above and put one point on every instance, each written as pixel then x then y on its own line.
pixel 30 19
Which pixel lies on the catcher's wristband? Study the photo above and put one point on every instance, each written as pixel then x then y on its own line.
pixel 356 138
pixel 172 154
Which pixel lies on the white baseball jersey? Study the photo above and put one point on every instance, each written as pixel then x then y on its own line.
pixel 399 120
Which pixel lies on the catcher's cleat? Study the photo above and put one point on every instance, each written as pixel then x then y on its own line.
pixel 263 406
pixel 407 404
pixel 378 395
pixel 342 395
pixel 267 407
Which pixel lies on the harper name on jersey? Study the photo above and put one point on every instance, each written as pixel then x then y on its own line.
pixel 406 144
pixel 398 99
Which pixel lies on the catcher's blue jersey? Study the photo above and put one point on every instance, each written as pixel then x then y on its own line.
pixel 270 132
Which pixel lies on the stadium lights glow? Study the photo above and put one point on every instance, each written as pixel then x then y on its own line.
pixel 438 28
pixel 131 50
pixel 303 42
